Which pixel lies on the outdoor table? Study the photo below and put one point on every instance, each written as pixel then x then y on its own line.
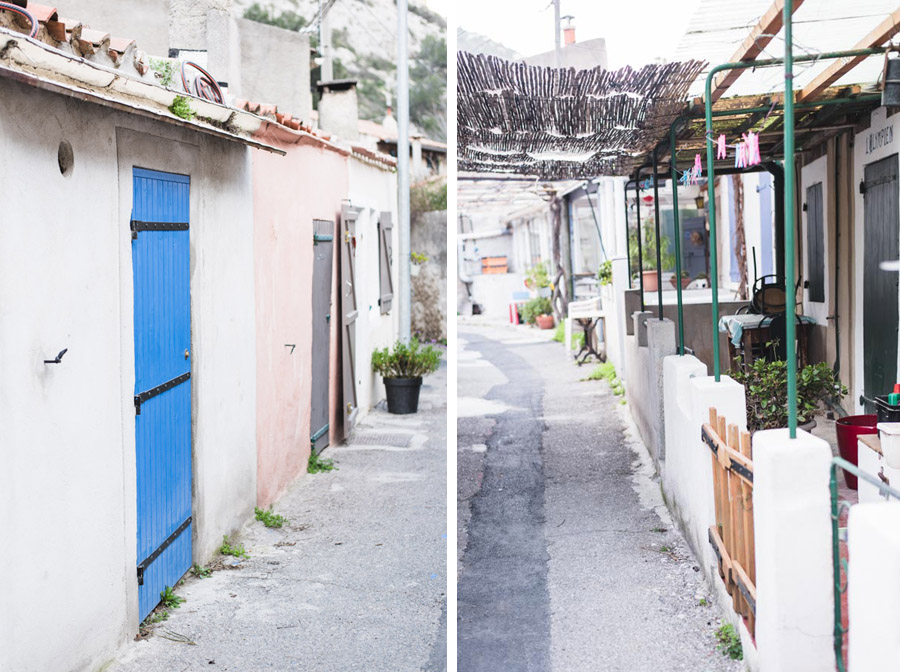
pixel 588 314
pixel 748 334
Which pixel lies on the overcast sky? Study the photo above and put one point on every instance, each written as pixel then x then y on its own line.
pixel 635 33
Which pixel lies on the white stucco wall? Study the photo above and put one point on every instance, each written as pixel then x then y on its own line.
pixel 67 468
pixel 864 154
pixel 375 191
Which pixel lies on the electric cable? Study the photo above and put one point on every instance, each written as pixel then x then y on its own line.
pixel 205 85
pixel 15 9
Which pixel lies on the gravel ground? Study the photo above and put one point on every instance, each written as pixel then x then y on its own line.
pixel 568 558
pixel 356 581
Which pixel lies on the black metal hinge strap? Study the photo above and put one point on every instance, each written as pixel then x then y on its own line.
pixel 159 389
pixel 137 225
pixel 163 546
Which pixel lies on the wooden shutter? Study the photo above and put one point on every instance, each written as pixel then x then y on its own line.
pixel 349 313
pixel 815 243
pixel 385 261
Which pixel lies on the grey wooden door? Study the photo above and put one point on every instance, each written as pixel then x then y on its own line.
pixel 323 251
pixel 880 288
pixel 349 313
pixel 693 246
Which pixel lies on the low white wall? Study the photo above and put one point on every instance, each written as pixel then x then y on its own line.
pixel 873 586
pixel 792 518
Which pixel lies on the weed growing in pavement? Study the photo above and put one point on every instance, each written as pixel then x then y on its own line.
pixel 704 602
pixel 169 599
pixel 201 572
pixel 606 371
pixel 665 549
pixel 729 642
pixel 318 464
pixel 237 551
pixel 269 518
pixel 156 617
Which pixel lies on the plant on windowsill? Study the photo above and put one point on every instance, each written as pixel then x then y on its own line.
pixel 538 277
pixel 648 254
pixel 765 385
pixel 685 279
pixel 402 369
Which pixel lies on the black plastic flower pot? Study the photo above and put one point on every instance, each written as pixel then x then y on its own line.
pixel 402 394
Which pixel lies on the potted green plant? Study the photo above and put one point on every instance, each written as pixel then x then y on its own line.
pixel 539 311
pixel 604 273
pixel 685 279
pixel 402 369
pixel 648 254
pixel 765 385
pixel 538 277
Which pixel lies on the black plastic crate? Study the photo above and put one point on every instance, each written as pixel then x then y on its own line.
pixel 886 412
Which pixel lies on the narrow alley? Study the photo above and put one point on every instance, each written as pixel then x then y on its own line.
pixel 567 557
pixel 355 580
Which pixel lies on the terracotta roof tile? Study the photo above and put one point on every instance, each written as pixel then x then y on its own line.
pixel 70 24
pixel 94 37
pixel 120 44
pixel 56 30
pixel 42 13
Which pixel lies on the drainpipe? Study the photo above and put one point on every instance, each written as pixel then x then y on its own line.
pixel 790 304
pixel 789 104
pixel 637 212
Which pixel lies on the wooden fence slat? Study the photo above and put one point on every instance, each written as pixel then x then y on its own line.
pixel 732 535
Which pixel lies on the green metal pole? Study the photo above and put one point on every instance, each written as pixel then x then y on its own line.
pixel 659 298
pixel 836 568
pixel 674 172
pixel 789 105
pixel 713 254
pixel 790 303
pixel 640 234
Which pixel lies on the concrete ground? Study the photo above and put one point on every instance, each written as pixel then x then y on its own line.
pixel 567 559
pixel 356 581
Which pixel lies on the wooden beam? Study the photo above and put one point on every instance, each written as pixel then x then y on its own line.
pixel 760 35
pixel 883 32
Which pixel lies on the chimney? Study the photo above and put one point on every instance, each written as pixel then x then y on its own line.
pixel 568 31
pixel 339 109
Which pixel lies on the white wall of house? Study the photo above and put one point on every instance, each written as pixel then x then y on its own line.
pixel 865 153
pixel 373 189
pixel 814 172
pixel 67 464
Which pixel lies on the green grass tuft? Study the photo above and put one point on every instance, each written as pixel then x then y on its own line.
pixel 729 642
pixel 169 599
pixel 318 464
pixel 269 518
pixel 238 551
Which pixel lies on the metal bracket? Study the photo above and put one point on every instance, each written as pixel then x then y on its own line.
pixel 138 225
pixel 163 546
pixel 159 389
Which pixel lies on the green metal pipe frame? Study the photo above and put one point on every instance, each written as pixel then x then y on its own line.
pixel 836 509
pixel 788 62
pixel 673 130
pixel 659 300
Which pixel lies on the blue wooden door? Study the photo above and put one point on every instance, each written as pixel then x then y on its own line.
pixel 162 389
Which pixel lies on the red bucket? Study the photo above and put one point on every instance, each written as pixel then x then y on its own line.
pixel 848 431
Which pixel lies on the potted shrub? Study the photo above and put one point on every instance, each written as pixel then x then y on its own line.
pixel 648 253
pixel 402 369
pixel 685 279
pixel 539 311
pixel 765 385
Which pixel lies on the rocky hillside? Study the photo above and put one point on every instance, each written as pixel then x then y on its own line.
pixel 364 37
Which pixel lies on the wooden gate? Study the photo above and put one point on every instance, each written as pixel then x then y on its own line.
pixel 323 251
pixel 732 536
pixel 160 249
pixel 880 292
pixel 349 313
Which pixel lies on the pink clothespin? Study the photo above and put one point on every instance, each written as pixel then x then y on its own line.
pixel 752 141
pixel 721 151
pixel 697 170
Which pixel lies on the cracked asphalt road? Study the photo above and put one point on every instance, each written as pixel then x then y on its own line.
pixel 567 559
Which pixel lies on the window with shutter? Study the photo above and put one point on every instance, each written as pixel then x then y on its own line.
pixel 815 243
pixel 385 261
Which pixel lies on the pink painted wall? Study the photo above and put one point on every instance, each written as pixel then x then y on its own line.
pixel 289 192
